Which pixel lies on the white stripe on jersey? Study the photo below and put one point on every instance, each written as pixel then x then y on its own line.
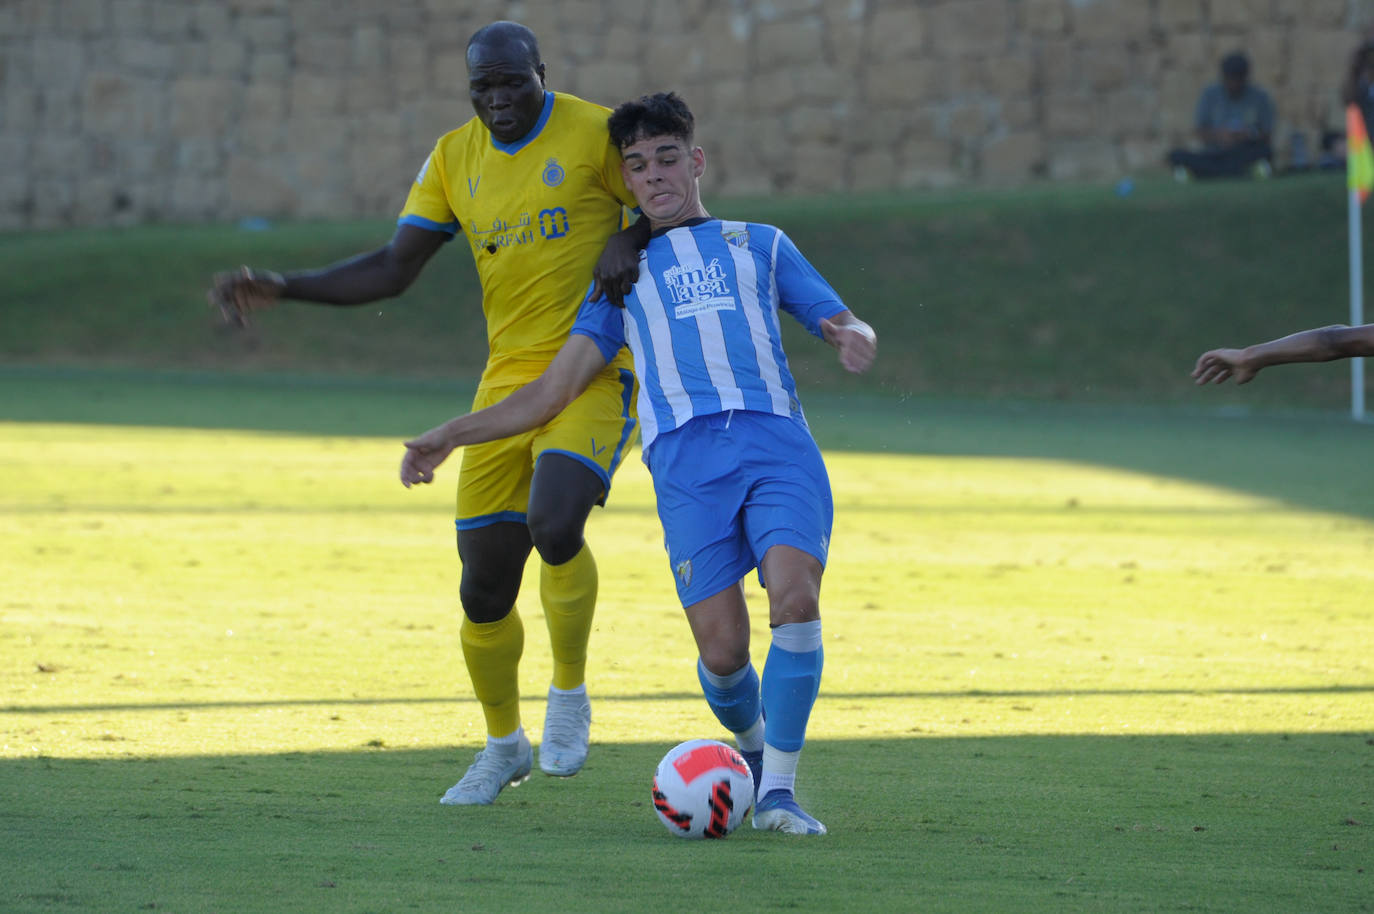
pixel 715 353
pixel 664 367
pixel 746 271
pixel 648 419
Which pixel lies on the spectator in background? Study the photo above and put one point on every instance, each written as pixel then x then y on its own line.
pixel 1234 121
pixel 1358 90
pixel 1359 81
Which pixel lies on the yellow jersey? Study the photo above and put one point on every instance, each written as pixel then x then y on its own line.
pixel 536 214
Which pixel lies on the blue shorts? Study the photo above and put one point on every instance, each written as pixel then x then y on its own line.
pixel 732 485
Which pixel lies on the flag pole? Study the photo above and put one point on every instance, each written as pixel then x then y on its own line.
pixel 1356 303
pixel 1359 172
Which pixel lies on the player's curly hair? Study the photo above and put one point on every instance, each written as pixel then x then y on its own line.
pixel 660 114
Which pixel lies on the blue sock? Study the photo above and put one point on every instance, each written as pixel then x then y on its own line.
pixel 734 698
pixel 791 681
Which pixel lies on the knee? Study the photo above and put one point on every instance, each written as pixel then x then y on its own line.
pixel 723 658
pixel 796 604
pixel 485 601
pixel 557 537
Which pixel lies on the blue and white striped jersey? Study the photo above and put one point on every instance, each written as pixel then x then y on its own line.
pixel 702 322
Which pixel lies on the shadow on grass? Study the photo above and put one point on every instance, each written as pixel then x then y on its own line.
pixel 1234 822
pixel 1315 460
pixel 925 695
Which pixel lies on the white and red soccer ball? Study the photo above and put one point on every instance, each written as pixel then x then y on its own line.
pixel 702 789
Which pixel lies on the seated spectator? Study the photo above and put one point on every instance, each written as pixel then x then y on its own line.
pixel 1359 81
pixel 1358 90
pixel 1234 120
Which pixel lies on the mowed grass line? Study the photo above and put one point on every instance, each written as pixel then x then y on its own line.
pixel 231 682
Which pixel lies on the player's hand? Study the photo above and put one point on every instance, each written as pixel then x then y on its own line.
pixel 423 456
pixel 1218 365
pixel 856 341
pixel 240 292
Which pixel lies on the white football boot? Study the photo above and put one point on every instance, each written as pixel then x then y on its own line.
pixel 490 773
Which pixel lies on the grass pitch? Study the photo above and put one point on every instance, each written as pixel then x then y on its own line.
pixel 1076 660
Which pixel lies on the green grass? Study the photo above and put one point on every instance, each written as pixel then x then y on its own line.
pixel 1078 658
pixel 1070 294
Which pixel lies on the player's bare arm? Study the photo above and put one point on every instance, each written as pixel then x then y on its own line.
pixel 854 339
pixel 382 273
pixel 617 269
pixel 1320 344
pixel 531 406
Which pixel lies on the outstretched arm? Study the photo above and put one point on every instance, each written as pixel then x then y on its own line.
pixel 529 407
pixel 1320 344
pixel 855 340
pixel 382 273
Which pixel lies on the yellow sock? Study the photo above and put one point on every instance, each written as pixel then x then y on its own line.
pixel 569 595
pixel 492 651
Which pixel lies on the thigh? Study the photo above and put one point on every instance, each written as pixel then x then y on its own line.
pixel 494 478
pixel 563 488
pixel 789 501
pixel 699 491
pixel 562 494
pixel 596 429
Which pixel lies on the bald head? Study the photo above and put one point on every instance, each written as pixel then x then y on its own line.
pixel 505 39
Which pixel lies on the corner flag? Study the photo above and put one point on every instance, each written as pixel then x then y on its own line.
pixel 1359 178
pixel 1359 159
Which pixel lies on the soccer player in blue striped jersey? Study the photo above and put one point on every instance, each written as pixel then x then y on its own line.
pixel 739 480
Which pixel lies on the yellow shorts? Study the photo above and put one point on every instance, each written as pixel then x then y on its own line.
pixel 596 429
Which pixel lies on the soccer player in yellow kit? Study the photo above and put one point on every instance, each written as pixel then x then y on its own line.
pixel 534 184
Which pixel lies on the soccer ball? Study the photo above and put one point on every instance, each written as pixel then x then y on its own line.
pixel 702 789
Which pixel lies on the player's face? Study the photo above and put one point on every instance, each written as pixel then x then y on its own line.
pixel 662 173
pixel 507 89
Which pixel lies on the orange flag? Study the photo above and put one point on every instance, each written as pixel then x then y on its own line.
pixel 1359 159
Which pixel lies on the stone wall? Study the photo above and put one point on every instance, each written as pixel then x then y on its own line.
pixel 121 111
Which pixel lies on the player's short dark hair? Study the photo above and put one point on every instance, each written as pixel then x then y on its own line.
pixel 505 34
pixel 1235 64
pixel 660 114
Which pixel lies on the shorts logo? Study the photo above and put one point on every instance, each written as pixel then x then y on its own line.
pixel 553 173
pixel 684 572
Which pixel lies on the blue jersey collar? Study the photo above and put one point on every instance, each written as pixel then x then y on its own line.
pixel 513 148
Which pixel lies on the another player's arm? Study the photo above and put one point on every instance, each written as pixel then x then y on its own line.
pixel 617 269
pixel 576 364
pixel 1320 344
pixel 382 273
